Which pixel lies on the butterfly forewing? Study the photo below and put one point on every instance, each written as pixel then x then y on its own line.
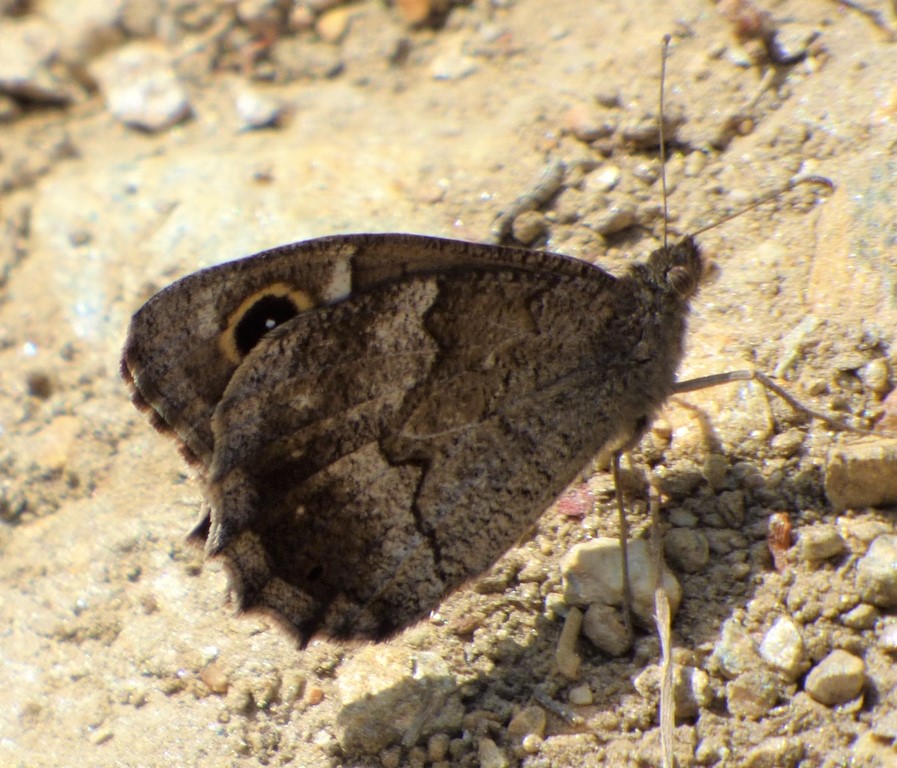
pixel 182 351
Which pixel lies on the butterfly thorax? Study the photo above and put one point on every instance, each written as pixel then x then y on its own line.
pixel 650 318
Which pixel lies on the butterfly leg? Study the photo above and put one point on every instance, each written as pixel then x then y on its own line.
pixel 624 539
pixel 714 380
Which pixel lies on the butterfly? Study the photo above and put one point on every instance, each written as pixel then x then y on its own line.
pixel 376 418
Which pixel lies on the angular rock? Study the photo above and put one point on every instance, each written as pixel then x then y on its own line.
pixel 783 648
pixel 566 657
pixel 391 695
pixel 527 722
pixel 821 542
pixel 490 755
pixel 257 109
pixel 862 475
pixel 604 627
pixel 877 573
pixel 687 549
pixel 753 693
pixel 734 652
pixel 141 88
pixel 837 679
pixel 592 573
pixel 691 689
pixel 29 47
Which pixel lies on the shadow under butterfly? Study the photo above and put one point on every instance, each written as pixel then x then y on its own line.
pixel 377 418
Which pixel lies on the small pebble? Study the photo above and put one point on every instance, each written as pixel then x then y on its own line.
pixel 788 443
pixel 732 506
pixel 452 63
pixel 607 97
pixel 30 46
pixel 714 469
pixel 293 686
pixel 837 679
pixel 734 652
pixel 821 542
pixel 642 130
pixel 331 26
pixel 415 11
pixel 692 691
pixel 863 616
pixel 529 226
pixel 527 722
pixel 592 573
pixel 691 688
pixel 258 110
pixel 884 724
pixel 437 747
pixel 876 579
pixel 101 735
pixel 876 377
pixel 417 757
pixel 647 173
pixel 585 123
pixel 887 635
pixel 215 678
pixel 752 694
pixel 532 744
pixel 301 19
pixel 603 626
pixel 687 549
pixel 566 657
pixel 256 11
pixel 862 475
pixel 266 689
pixel 141 88
pixel 391 757
pixel 776 752
pixel 490 755
pixel 580 695
pixel 613 219
pixel 695 164
pixel 783 648
pixel 682 518
pixel 604 179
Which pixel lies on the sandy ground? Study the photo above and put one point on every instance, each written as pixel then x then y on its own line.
pixel 120 648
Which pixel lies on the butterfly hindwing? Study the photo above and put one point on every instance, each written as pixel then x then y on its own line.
pixel 379 452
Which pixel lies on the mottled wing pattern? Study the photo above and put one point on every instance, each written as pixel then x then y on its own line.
pixel 382 416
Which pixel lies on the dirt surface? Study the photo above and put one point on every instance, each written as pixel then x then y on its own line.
pixel 120 647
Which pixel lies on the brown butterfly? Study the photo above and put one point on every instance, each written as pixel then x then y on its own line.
pixel 376 418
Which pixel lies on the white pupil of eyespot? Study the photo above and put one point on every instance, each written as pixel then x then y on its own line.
pixel 270 323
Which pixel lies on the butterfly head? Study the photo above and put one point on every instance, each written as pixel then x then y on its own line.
pixel 678 268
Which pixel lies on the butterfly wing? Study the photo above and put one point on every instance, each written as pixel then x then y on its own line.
pixel 371 455
pixel 186 342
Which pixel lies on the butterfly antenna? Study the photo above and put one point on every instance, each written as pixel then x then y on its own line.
pixel 771 195
pixel 661 600
pixel 664 52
